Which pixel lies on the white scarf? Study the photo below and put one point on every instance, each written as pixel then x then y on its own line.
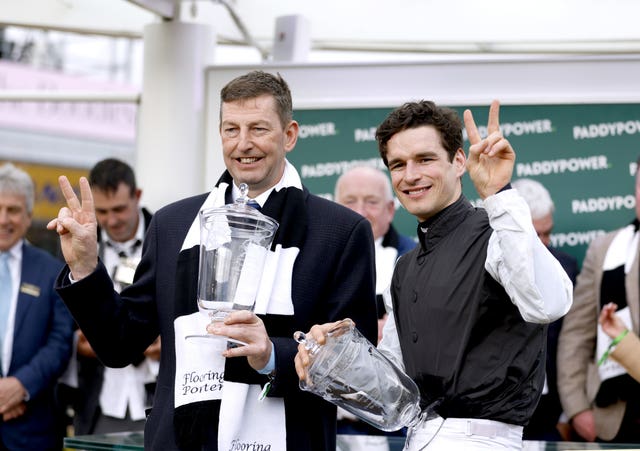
pixel 245 422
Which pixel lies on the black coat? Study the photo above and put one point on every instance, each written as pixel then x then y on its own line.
pixel 333 278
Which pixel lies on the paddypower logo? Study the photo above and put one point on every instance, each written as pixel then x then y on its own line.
pixel 364 134
pixel 562 165
pixel 606 129
pixel 534 127
pixel 602 204
pixel 334 168
pixel 573 239
pixel 317 130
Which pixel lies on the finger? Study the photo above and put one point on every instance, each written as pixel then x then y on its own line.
pixel 87 196
pixel 470 125
pixel 67 223
pixel 502 145
pixel 241 316
pixel 300 367
pixel 319 333
pixel 68 193
pixel 53 224
pixel 494 117
pixel 56 223
pixel 303 357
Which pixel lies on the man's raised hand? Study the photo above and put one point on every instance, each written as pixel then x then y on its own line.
pixel 491 160
pixel 77 226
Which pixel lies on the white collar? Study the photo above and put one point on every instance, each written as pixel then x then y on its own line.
pixel 289 177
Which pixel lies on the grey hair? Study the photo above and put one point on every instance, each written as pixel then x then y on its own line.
pixel 17 181
pixel 536 195
pixel 388 193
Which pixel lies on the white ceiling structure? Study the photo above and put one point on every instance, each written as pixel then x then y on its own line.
pixel 420 27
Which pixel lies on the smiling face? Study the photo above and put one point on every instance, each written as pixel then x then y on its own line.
pixel 423 178
pixel 255 143
pixel 14 219
pixel 117 212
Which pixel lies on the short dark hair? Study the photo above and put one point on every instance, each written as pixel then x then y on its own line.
pixel 257 83
pixel 416 114
pixel 109 173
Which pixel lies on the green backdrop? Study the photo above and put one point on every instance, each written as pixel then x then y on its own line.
pixel 584 154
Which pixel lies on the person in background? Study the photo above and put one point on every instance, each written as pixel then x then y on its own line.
pixel 546 423
pixel 320 268
pixel 601 400
pixel 625 345
pixel 367 191
pixel 36 329
pixel 468 311
pixel 115 399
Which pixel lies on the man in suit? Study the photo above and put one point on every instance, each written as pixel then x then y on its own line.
pixel 602 401
pixel 35 327
pixel 207 393
pixel 545 423
pixel 115 399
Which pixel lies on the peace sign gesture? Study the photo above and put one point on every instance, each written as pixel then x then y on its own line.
pixel 77 226
pixel 490 162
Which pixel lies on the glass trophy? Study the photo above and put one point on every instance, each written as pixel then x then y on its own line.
pixel 352 373
pixel 234 242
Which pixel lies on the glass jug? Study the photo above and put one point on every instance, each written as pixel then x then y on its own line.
pixel 350 372
pixel 234 242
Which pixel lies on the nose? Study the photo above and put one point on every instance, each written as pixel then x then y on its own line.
pixel 244 140
pixel 358 207
pixel 411 172
pixel 112 219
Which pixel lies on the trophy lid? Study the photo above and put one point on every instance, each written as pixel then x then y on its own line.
pixel 242 214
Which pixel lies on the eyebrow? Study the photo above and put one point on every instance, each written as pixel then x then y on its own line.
pixel 251 124
pixel 422 154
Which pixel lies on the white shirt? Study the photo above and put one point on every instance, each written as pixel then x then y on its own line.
pixel 124 388
pixel 385 263
pixel 516 258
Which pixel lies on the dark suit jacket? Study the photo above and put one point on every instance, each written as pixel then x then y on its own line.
pixel 42 341
pixel 86 400
pixel 334 278
pixel 542 425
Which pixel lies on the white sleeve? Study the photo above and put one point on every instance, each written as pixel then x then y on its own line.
pixel 516 258
pixel 390 343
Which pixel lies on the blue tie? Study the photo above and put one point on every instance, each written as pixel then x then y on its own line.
pixel 254 204
pixel 5 298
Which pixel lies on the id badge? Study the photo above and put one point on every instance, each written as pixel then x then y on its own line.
pixel 125 271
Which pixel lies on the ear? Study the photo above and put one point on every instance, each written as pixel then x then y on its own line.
pixel 460 162
pixel 291 135
pixel 391 209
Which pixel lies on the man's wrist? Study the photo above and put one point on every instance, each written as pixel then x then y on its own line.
pixel 270 367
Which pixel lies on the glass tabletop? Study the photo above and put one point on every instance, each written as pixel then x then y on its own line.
pixel 113 441
pixel 134 441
